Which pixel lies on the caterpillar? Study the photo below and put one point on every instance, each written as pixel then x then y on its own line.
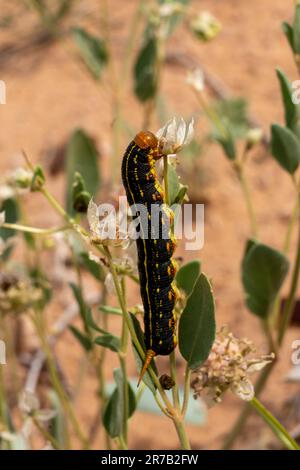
pixel 155 248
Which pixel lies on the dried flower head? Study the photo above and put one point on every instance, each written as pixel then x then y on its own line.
pixel 229 365
pixel 16 294
pixel 174 135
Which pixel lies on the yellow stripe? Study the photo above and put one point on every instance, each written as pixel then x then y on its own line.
pixel 144 244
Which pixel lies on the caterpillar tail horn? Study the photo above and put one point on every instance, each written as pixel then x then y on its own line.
pixel 149 356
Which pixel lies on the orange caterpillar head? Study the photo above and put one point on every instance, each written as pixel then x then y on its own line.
pixel 146 139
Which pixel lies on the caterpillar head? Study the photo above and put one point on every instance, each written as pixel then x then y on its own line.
pixel 146 139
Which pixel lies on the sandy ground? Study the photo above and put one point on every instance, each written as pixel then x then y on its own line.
pixel 49 94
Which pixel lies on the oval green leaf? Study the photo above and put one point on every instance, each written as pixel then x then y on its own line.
pixel 285 148
pixel 187 276
pixel 82 157
pixel 197 327
pixel 263 272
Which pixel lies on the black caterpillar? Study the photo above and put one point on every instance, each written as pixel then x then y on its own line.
pixel 155 264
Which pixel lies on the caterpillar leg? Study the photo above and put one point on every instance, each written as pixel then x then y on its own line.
pixel 149 356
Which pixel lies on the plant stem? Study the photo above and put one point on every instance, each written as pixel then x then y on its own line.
pixel 185 444
pixel 55 444
pixel 35 230
pixel 186 396
pixel 239 169
pixel 289 306
pixel 274 424
pixel 122 357
pixel 241 421
pixel 56 381
pixel 175 392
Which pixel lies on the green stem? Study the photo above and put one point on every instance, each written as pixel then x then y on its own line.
pixel 186 395
pixel 241 421
pixel 275 425
pixel 290 302
pixel 56 381
pixel 122 357
pixel 35 230
pixel 181 432
pixel 238 167
pixel 175 391
pixel 55 444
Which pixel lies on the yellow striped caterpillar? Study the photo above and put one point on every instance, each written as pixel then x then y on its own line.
pixel 155 247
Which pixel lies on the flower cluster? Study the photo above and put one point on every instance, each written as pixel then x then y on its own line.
pixel 229 365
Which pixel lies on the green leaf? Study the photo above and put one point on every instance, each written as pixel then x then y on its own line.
pixel 263 273
pixel 81 304
pixel 289 34
pixel 147 379
pixel 114 411
pixel 233 113
pixel 84 340
pixel 93 51
pixel 92 324
pixel 109 341
pixel 81 157
pixel 228 145
pixel 10 207
pixel 91 266
pixel 285 148
pixel 145 82
pixel 110 310
pixel 176 190
pixel 291 110
pixel 187 276
pixel 296 30
pixel 197 326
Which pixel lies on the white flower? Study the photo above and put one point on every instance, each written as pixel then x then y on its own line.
pixel 195 78
pixel 228 366
pixel 174 135
pixel 205 26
